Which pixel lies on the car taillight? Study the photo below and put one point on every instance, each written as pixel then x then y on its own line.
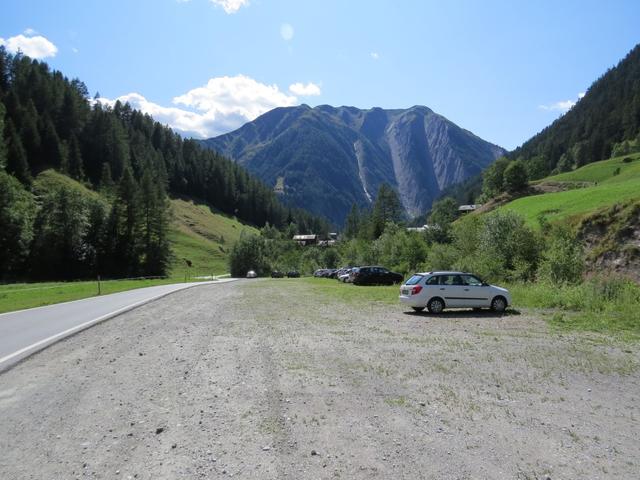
pixel 416 290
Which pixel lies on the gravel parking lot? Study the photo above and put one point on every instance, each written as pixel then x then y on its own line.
pixel 271 379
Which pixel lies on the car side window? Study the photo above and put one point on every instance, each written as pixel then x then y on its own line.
pixel 472 281
pixel 446 280
pixel 433 281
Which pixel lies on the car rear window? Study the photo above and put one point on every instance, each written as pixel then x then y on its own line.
pixel 414 280
pixel 433 280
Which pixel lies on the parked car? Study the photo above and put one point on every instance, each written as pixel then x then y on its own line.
pixel 320 272
pixel 352 274
pixel 345 276
pixel 439 290
pixel 293 274
pixel 277 274
pixel 252 274
pixel 376 276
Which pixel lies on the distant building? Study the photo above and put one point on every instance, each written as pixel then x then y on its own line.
pixel 423 228
pixel 326 243
pixel 469 208
pixel 306 239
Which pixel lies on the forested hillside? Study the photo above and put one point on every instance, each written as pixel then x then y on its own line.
pixel 111 214
pixel 607 115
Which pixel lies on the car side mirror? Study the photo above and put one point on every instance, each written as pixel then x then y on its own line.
pixel 485 284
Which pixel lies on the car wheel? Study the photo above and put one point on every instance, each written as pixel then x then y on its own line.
pixel 499 304
pixel 418 309
pixel 435 305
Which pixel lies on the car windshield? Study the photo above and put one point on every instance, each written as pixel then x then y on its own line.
pixel 414 280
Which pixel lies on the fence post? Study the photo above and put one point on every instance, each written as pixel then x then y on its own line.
pixel 99 289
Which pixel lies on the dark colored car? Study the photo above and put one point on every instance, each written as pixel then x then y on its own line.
pixel 293 274
pixel 376 276
pixel 277 274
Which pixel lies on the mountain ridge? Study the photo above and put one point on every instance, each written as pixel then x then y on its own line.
pixel 332 157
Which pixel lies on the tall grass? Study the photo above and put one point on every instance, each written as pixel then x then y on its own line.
pixel 600 304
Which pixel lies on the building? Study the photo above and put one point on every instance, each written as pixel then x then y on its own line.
pixel 469 208
pixel 306 239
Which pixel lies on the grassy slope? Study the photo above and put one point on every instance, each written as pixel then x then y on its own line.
pixel 197 233
pixel 573 205
pixel 203 237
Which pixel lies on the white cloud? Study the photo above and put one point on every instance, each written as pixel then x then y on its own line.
pixel 239 95
pixel 561 106
pixel 74 50
pixel 286 31
pixel 310 89
pixel 374 55
pixel 35 47
pixel 230 6
pixel 220 106
pixel 30 32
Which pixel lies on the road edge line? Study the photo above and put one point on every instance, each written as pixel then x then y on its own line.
pixel 9 361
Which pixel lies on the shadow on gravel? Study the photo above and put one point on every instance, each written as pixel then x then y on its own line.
pixel 464 314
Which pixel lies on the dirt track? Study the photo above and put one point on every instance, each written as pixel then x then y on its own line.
pixel 268 380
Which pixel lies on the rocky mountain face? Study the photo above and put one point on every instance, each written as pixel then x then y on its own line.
pixel 324 159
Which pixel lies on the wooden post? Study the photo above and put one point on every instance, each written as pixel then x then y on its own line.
pixel 99 289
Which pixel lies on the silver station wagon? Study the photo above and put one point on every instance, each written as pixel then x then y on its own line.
pixel 436 291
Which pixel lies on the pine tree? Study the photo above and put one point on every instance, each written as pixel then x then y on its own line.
pixel 53 153
pixel 76 167
pixel 154 213
pixel 30 136
pixel 352 223
pixel 3 144
pixel 106 184
pixel 387 208
pixel 16 156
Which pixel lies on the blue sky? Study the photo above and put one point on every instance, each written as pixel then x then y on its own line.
pixel 502 69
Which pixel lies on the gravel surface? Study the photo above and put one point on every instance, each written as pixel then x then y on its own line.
pixel 269 379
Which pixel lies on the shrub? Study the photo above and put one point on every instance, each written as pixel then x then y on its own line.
pixel 515 177
pixel 563 258
pixel 249 253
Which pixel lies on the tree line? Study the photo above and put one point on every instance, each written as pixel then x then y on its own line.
pixel 54 230
pixel 609 114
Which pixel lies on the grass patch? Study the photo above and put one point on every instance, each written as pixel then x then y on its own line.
pixel 28 295
pixel 614 181
pixel 605 305
pixel 349 293
pixel 203 237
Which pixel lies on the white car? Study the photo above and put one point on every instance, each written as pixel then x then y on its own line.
pixel 439 290
pixel 252 274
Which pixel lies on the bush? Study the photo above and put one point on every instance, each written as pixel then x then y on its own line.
pixel 249 253
pixel 563 258
pixel 515 177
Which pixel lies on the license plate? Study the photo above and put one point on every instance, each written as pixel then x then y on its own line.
pixel 405 291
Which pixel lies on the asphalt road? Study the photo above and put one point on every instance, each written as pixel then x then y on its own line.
pixel 25 332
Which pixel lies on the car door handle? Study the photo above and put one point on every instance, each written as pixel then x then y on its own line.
pixel 442 288
pixel 466 289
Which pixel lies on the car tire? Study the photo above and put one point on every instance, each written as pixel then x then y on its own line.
pixel 499 304
pixel 435 305
pixel 418 309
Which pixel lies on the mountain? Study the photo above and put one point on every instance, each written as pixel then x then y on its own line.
pixel 325 159
pixel 608 114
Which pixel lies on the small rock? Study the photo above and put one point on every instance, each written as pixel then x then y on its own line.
pixel 313 453
pixel 266 449
pixel 423 404
pixel 159 430
pixel 175 445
